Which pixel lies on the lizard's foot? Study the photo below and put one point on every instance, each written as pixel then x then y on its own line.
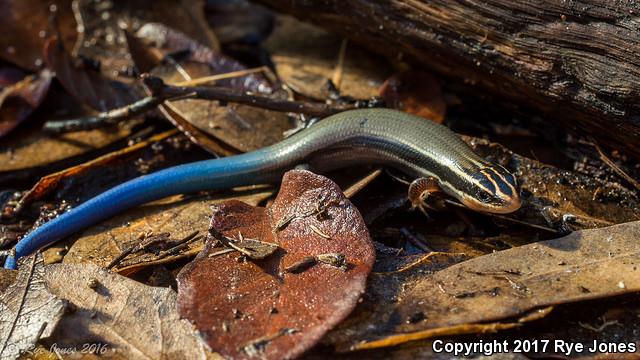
pixel 419 191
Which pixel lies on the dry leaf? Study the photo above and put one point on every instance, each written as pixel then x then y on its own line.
pixel 26 25
pixel 49 183
pixel 103 25
pixel 306 57
pixel 19 100
pixel 7 277
pixel 169 41
pixel 127 319
pixel 258 307
pixel 240 127
pixel 28 310
pixel 86 84
pixel 36 149
pixel 584 265
pixel 239 21
pixel 180 217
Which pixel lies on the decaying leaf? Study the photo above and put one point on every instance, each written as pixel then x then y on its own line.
pixel 239 127
pixel 19 100
pixel 246 308
pixel 306 57
pixel 125 318
pixel 85 83
pixel 406 304
pixel 49 183
pixel 26 25
pixel 36 149
pixel 197 136
pixel 169 42
pixel 7 277
pixel 185 16
pixel 28 311
pixel 175 215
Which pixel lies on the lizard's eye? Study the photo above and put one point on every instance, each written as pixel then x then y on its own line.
pixel 484 196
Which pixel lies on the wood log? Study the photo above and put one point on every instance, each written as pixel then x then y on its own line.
pixel 574 61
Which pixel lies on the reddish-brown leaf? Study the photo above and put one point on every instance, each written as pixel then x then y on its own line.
pixel 256 307
pixel 85 84
pixel 238 127
pixel 169 41
pixel 19 100
pixel 26 25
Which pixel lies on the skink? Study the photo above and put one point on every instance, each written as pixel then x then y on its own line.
pixel 424 150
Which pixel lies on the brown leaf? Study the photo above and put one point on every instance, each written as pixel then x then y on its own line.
pixel 133 320
pixel 103 24
pixel 35 149
pixel 180 217
pixel 257 308
pixel 19 100
pixel 584 265
pixel 306 57
pixel 26 26
pixel 168 41
pixel 27 310
pixel 197 136
pixel 415 92
pixel 185 16
pixel 49 183
pixel 86 84
pixel 240 127
pixel 7 277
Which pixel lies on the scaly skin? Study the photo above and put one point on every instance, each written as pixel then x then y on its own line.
pixel 420 148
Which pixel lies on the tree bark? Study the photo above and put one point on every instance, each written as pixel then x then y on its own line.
pixel 575 61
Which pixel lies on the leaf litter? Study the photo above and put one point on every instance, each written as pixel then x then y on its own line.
pixel 409 297
pixel 584 265
pixel 28 311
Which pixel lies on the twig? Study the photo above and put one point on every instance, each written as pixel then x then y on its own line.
pixel 337 75
pixel 159 89
pixel 502 217
pixel 217 77
pixel 144 245
pixel 600 328
pixel 415 241
pixel 104 118
pixel 121 257
pixel 182 244
pixel 161 92
pixel 605 159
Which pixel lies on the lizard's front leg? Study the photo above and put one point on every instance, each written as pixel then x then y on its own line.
pixel 419 191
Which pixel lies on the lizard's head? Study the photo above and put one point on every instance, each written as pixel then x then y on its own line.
pixel 491 189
